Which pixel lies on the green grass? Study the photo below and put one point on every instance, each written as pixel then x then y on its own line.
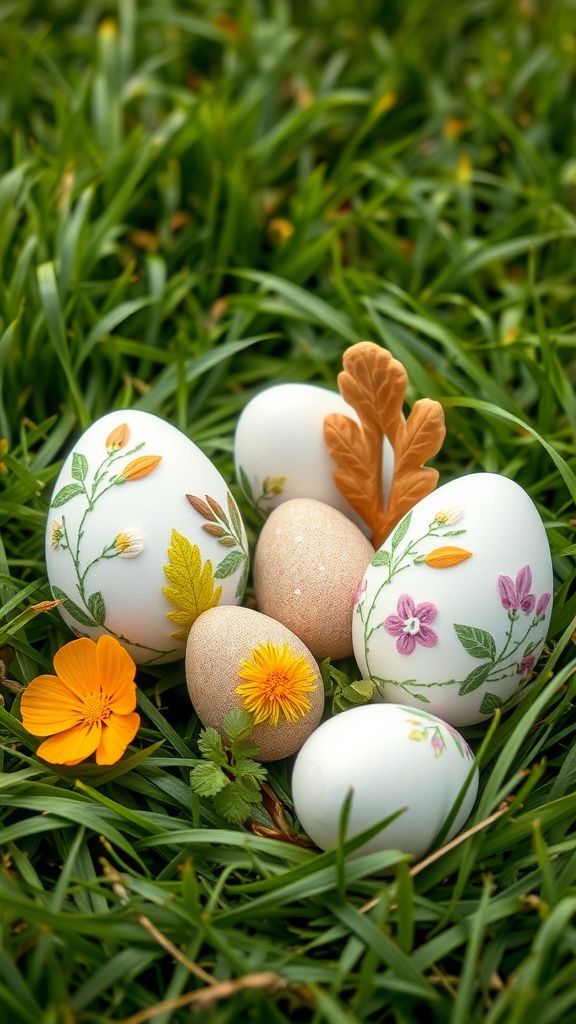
pixel 422 154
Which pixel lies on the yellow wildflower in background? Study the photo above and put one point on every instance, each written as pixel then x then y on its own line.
pixel 276 682
pixel 87 707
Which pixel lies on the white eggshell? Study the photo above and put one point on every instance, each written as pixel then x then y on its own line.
pixel 307 564
pixel 108 537
pixel 390 757
pixel 457 639
pixel 280 452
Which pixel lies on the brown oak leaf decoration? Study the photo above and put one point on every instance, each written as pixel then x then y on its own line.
pixel 374 384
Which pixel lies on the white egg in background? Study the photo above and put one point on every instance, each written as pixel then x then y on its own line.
pixel 454 607
pixel 142 535
pixel 280 452
pixel 391 757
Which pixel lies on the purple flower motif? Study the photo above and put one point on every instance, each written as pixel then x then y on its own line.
pixel 438 745
pixel 410 625
pixel 359 594
pixel 527 664
pixel 543 603
pixel 515 596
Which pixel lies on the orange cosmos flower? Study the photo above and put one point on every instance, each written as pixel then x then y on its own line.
pixel 87 707
pixel 276 680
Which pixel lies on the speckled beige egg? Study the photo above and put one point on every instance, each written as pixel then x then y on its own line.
pixel 239 658
pixel 307 566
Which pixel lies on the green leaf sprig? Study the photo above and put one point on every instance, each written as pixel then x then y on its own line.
pixel 230 776
pixel 344 692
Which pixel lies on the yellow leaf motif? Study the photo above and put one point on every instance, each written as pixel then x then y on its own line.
pixel 192 589
pixel 443 558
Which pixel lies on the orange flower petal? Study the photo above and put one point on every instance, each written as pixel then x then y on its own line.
pixel 118 437
pixel 49 706
pixel 140 467
pixel 116 671
pixel 72 745
pixel 443 558
pixel 117 732
pixel 75 663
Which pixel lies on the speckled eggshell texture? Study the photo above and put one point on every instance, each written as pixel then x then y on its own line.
pixel 307 566
pixel 454 608
pixel 219 641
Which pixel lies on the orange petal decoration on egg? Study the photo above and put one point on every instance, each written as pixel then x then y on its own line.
pixel 443 558
pixel 140 467
pixel 374 384
pixel 117 438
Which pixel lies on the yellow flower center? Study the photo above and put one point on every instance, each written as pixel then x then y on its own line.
pixel 276 682
pixel 95 707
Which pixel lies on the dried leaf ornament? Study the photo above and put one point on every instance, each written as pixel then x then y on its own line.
pixel 374 384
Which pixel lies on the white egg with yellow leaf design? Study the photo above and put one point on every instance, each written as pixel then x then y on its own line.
pixel 142 536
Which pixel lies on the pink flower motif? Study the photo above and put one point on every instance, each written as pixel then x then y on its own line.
pixel 543 603
pixel 527 664
pixel 410 625
pixel 359 594
pixel 438 744
pixel 515 596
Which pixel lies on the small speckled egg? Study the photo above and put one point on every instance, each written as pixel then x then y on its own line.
pixel 392 758
pixel 239 658
pixel 454 607
pixel 142 535
pixel 280 452
pixel 308 561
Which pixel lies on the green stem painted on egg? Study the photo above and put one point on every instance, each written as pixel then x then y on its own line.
pixel 397 564
pixel 93 496
pixel 500 665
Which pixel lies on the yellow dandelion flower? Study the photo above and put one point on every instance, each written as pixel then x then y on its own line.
pixel 276 681
pixel 56 533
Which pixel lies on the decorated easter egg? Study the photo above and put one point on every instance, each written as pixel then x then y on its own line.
pixel 308 562
pixel 280 452
pixel 454 607
pixel 142 535
pixel 239 658
pixel 391 758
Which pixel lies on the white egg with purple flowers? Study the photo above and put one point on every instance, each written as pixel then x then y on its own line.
pixel 453 610
pixel 391 758
pixel 142 536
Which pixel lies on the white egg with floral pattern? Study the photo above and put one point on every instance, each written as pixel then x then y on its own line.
pixel 394 760
pixel 453 610
pixel 143 535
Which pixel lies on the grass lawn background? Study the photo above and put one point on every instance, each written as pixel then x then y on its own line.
pixel 197 200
